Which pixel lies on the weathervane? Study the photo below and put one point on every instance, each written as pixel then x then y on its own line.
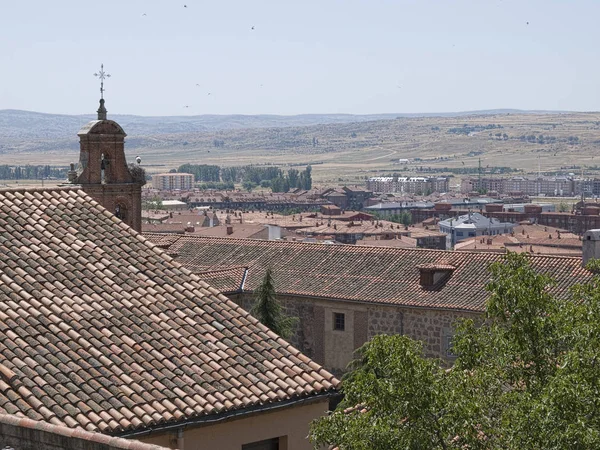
pixel 102 76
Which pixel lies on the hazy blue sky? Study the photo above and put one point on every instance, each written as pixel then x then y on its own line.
pixel 308 56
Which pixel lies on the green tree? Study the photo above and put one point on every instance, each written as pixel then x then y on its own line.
pixel 268 310
pixel 153 203
pixel 563 207
pixel 307 178
pixel 293 177
pixel 249 185
pixel 405 218
pixel 526 377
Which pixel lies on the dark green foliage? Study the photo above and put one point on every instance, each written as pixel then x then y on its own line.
pixel 465 129
pixel 526 378
pixel 293 176
pixel 218 186
pixel 153 203
pixel 293 180
pixel 249 185
pixel 257 175
pixel 32 172
pixel 202 172
pixel 268 310
pixel 405 218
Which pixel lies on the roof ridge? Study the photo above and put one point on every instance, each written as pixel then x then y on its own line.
pixel 221 269
pixel 358 247
pixel 41 188
pixel 75 433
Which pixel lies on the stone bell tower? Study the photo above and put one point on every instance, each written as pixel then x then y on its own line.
pixel 103 173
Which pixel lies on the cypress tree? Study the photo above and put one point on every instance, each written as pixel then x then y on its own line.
pixel 268 310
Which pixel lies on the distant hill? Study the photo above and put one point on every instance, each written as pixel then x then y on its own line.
pixel 16 125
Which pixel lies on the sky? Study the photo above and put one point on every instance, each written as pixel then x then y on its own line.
pixel 309 56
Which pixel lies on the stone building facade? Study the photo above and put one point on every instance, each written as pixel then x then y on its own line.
pixel 315 334
pixel 344 295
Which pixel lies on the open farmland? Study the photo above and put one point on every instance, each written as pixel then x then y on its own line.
pixel 351 151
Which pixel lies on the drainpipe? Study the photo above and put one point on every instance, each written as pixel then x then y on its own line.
pixel 180 443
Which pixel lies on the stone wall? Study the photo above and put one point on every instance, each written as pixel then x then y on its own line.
pixel 434 328
pixel 303 336
pixel 313 335
pixel 384 320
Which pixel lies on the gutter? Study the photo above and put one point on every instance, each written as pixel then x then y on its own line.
pixel 228 415
pixel 363 302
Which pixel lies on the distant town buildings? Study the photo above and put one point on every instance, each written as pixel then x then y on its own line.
pixel 549 186
pixel 409 185
pixel 172 181
pixel 527 238
pixel 472 225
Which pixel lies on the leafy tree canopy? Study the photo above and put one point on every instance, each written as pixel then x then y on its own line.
pixel 528 377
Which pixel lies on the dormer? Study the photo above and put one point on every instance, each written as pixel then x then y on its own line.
pixel 432 274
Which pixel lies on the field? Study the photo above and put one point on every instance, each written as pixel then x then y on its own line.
pixel 349 152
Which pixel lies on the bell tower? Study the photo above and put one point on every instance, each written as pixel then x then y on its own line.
pixel 103 173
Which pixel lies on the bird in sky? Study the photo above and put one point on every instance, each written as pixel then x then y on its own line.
pixel 252 27
pixel 144 14
pixel 185 6
pixel 197 85
pixel 527 23
pixel 209 93
pixel 186 106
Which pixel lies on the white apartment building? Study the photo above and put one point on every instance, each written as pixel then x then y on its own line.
pixel 172 181
pixel 470 226
pixel 408 185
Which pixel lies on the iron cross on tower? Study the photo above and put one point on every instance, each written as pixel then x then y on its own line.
pixel 102 76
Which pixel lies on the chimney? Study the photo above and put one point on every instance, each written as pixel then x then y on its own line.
pixel 433 273
pixel 591 245
pixel 229 230
pixel 72 173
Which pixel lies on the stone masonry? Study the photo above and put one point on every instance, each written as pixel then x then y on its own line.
pixel 434 327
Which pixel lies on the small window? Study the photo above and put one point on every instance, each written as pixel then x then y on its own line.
pixel 269 444
pixel 339 321
pixel 448 350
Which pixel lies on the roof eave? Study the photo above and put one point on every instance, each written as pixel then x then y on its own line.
pixel 228 415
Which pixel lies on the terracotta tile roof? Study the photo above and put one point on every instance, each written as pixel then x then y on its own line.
pixel 177 228
pixel 398 242
pixel 226 280
pixel 155 215
pixel 362 273
pixel 100 329
pixel 60 433
pixel 239 230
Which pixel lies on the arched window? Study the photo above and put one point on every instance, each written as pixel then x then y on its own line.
pixel 102 169
pixel 121 211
